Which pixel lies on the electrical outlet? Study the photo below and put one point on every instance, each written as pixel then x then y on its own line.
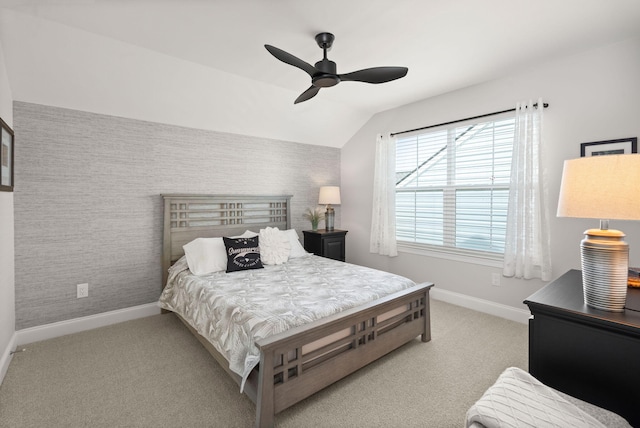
pixel 495 279
pixel 83 290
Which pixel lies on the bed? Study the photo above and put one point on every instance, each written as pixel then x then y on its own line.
pixel 303 358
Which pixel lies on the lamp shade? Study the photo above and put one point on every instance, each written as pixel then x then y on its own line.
pixel 329 195
pixel 602 187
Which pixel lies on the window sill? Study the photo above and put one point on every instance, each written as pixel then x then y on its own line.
pixel 484 259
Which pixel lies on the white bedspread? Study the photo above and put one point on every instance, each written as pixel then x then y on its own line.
pixel 233 310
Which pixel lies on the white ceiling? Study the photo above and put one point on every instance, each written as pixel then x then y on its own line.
pixel 202 63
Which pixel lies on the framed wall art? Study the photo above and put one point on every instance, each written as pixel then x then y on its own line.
pixel 610 147
pixel 6 157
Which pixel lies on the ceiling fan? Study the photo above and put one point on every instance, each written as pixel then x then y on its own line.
pixel 324 75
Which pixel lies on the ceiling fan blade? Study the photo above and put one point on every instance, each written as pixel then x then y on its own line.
pixel 375 75
pixel 308 94
pixel 287 58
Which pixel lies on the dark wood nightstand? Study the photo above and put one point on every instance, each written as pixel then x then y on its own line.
pixel 588 353
pixel 326 244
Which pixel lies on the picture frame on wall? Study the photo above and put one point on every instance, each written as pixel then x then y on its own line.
pixel 610 147
pixel 6 157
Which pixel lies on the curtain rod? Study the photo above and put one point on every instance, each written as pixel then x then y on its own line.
pixel 545 105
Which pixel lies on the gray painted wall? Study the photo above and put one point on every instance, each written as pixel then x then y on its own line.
pixel 88 206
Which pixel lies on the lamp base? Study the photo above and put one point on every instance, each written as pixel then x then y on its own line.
pixel 329 218
pixel 605 269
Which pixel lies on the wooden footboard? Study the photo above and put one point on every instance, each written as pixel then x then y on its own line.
pixel 288 374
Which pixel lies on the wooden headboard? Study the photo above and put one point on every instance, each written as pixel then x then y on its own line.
pixel 187 217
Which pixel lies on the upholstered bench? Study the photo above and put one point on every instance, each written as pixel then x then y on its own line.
pixel 517 399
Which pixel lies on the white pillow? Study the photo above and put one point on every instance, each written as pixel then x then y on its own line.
pixel 206 255
pixel 297 250
pixel 274 246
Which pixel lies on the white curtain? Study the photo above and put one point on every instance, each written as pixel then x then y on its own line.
pixel 527 250
pixel 383 216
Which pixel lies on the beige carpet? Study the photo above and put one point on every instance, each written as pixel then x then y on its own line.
pixel 152 372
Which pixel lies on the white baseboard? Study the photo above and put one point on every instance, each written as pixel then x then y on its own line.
pixel 6 357
pixel 49 331
pixel 480 305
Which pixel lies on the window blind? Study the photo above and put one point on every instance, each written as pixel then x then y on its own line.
pixel 452 186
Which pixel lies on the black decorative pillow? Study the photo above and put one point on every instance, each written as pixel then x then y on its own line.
pixel 242 253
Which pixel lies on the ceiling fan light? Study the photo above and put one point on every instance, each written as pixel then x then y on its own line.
pixel 325 80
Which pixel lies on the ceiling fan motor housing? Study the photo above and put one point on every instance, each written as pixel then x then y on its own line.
pixel 327 76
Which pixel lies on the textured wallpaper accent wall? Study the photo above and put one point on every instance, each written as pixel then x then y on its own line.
pixel 88 207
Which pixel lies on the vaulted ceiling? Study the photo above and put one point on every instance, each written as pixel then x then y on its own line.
pixel 203 64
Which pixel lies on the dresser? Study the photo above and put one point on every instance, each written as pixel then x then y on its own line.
pixel 588 353
pixel 330 244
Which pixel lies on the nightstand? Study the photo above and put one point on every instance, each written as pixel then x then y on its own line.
pixel 585 352
pixel 326 244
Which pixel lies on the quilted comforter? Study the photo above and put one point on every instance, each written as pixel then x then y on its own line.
pixel 233 310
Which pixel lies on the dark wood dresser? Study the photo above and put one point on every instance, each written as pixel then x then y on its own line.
pixel 588 353
pixel 326 244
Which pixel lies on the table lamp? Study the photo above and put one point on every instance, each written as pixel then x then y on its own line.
pixel 329 195
pixel 607 188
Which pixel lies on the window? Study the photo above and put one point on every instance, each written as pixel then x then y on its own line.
pixel 452 188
